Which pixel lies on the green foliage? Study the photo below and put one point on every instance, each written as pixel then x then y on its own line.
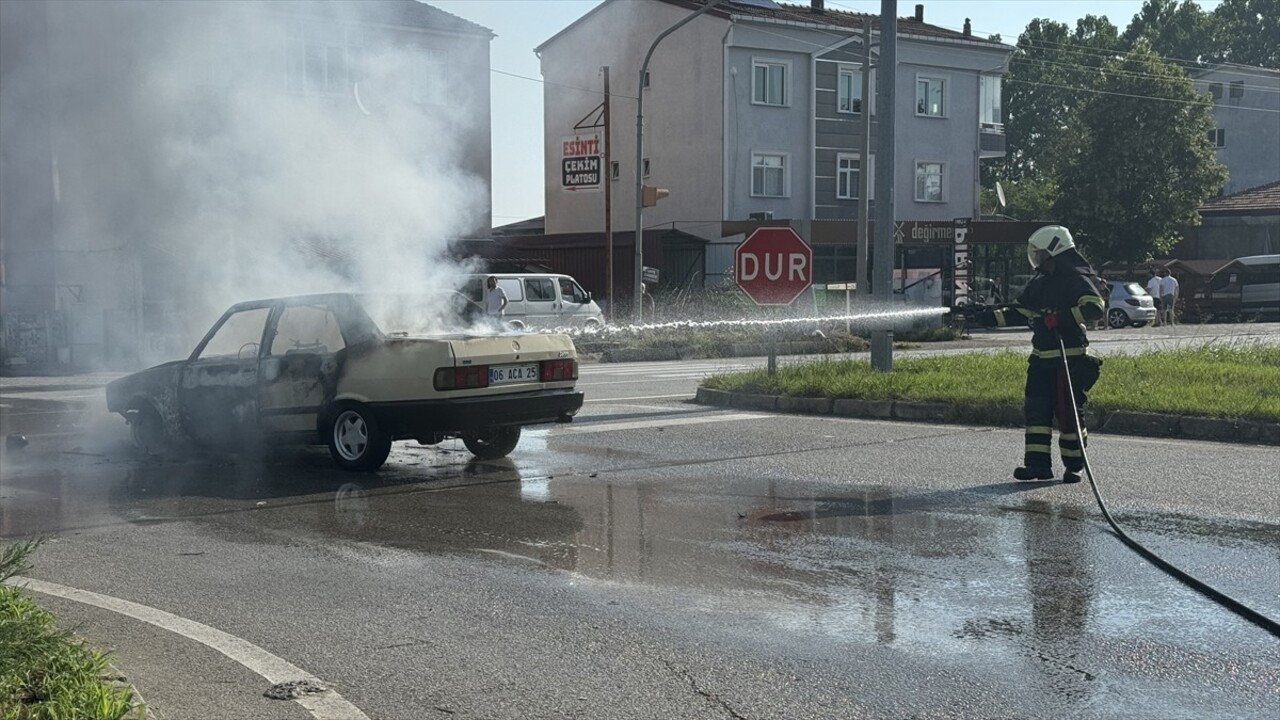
pixel 1237 382
pixel 1247 32
pixel 1179 31
pixel 45 673
pixel 1145 163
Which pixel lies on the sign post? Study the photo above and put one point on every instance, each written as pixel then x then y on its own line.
pixel 773 266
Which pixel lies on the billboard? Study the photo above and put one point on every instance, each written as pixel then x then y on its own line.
pixel 581 162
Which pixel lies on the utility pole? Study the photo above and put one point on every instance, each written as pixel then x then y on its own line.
pixel 862 286
pixel 638 289
pixel 882 272
pixel 606 177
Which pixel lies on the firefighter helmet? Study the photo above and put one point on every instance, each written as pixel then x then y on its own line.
pixel 1047 242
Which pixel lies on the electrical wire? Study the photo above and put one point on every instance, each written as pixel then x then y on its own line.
pixel 1185 578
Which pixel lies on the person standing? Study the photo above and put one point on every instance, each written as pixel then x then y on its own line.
pixel 1058 302
pixel 495 299
pixel 1153 289
pixel 1168 295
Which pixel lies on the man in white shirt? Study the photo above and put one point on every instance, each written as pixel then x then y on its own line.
pixel 1168 295
pixel 495 300
pixel 1153 289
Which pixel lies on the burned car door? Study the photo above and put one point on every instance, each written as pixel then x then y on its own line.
pixel 218 390
pixel 300 368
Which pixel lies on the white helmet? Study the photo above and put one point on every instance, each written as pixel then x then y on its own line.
pixel 1047 242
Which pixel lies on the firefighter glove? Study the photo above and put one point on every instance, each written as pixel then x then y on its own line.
pixel 1051 320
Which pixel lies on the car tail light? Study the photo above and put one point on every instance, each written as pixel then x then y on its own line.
pixel 462 378
pixel 556 370
pixel 1132 301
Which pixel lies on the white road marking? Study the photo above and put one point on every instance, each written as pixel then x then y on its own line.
pixel 323 706
pixel 657 422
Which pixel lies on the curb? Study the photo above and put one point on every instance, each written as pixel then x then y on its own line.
pixel 1118 422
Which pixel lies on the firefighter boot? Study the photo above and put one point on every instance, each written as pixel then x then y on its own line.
pixel 1033 473
pixel 1072 475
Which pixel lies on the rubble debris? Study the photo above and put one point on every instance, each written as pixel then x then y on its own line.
pixel 16 441
pixel 294 689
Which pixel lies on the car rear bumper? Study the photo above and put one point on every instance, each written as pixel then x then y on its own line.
pixel 416 418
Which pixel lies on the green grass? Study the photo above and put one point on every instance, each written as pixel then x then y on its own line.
pixel 1216 381
pixel 45 673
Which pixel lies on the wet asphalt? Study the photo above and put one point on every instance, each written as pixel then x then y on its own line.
pixel 658 559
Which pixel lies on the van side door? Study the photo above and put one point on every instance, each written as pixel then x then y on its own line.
pixel 542 302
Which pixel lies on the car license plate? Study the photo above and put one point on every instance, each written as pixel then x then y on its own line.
pixel 506 374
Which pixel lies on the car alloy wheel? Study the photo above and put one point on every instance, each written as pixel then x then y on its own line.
pixel 1117 318
pixel 492 443
pixel 356 442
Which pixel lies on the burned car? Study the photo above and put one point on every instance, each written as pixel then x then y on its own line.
pixel 319 369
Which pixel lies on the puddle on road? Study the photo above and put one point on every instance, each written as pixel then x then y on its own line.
pixel 990 572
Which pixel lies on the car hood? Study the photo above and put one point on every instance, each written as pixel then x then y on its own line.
pixel 153 384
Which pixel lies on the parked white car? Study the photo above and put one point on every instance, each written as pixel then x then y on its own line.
pixel 543 300
pixel 1130 304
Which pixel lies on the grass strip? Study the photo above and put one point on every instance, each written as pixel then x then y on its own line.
pixel 45 672
pixel 1230 382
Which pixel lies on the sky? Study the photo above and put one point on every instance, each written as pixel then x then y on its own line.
pixel 522 25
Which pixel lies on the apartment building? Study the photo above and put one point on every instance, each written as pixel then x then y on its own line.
pixel 161 160
pixel 1246 106
pixel 754 109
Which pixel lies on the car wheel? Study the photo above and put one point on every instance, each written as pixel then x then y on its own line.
pixel 492 443
pixel 147 429
pixel 592 325
pixel 356 442
pixel 1117 318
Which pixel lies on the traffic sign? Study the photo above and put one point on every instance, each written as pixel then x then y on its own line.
pixel 773 265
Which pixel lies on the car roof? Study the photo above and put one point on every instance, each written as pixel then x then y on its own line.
pixel 1258 260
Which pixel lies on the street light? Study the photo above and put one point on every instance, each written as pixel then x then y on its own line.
pixel 638 290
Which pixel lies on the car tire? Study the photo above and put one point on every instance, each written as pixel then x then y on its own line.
pixel 492 443
pixel 1117 318
pixel 356 441
pixel 146 427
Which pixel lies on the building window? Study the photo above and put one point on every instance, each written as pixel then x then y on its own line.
pixel 769 83
pixel 1237 91
pixel 929 97
pixel 849 91
pixel 1218 137
pixel 768 175
pixel 848 167
pixel 615 171
pixel 1215 90
pixel 645 165
pixel 321 61
pixel 929 182
pixel 989 111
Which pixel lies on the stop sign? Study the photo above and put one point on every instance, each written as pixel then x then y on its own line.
pixel 773 265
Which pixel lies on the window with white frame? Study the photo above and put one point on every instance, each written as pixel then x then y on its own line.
pixel 989 111
pixel 768 175
pixel 930 97
pixel 768 82
pixel 929 181
pixel 849 90
pixel 1218 137
pixel 321 61
pixel 848 167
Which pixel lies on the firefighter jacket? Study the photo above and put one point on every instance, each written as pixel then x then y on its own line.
pixel 1067 292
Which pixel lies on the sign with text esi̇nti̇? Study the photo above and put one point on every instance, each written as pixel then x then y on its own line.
pixel 580 162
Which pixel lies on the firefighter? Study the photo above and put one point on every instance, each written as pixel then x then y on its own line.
pixel 1059 300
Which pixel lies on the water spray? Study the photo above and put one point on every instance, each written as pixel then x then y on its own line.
pixel 892 316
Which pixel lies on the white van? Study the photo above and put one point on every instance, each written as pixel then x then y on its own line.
pixel 1245 288
pixel 539 300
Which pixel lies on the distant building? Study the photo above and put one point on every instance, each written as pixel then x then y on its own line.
pixel 1246 106
pixel 160 160
pixel 754 110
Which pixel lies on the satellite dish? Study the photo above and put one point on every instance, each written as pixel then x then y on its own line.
pixel 1000 194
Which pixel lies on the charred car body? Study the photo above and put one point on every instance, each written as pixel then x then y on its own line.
pixel 318 369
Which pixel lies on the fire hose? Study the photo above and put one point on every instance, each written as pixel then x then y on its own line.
pixel 1199 586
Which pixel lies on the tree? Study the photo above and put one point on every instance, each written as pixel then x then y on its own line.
pixel 1248 30
pixel 1179 31
pixel 1145 164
